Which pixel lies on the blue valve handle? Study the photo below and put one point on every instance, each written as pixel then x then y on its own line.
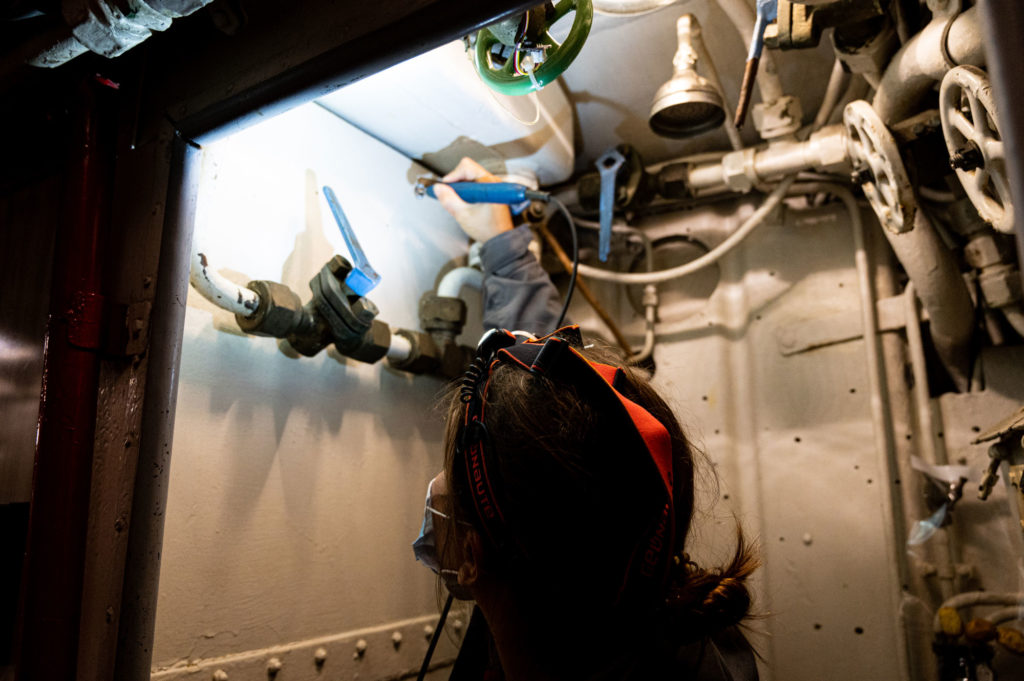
pixel 608 167
pixel 508 193
pixel 362 278
pixel 767 12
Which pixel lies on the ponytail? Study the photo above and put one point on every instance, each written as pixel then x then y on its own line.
pixel 702 602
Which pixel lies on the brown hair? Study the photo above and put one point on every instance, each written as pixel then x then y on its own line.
pixel 572 508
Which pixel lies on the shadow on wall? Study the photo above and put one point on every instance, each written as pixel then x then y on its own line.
pixel 248 380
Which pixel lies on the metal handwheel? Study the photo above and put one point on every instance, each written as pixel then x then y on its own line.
pixel 970 126
pixel 879 167
pixel 518 57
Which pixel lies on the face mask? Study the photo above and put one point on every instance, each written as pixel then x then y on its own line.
pixel 425 548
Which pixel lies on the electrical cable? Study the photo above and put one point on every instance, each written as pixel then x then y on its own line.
pixel 435 638
pixel 575 258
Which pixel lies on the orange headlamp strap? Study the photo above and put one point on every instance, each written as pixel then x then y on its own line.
pixel 554 357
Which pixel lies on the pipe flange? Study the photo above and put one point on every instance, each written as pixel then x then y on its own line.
pixel 970 126
pixel 879 168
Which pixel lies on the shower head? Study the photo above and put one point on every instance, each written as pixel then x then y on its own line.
pixel 688 104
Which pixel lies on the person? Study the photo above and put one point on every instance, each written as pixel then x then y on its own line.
pixel 565 502
pixel 517 292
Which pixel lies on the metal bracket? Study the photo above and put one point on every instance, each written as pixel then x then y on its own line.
pixel 839 327
pixel 800 25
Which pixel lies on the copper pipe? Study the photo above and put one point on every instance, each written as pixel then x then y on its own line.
pixel 746 89
pixel 582 287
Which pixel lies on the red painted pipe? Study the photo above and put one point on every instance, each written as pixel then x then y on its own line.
pixel 52 589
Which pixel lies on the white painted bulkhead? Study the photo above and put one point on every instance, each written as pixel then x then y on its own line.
pixel 297 484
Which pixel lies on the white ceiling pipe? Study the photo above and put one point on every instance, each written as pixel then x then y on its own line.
pixel 916 67
pixel 741 170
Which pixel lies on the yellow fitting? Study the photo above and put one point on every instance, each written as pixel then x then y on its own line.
pixel 951 623
pixel 1011 639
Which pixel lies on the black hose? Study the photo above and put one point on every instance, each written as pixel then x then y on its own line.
pixel 575 258
pixel 434 639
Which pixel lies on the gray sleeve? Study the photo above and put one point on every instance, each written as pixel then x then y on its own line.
pixel 517 292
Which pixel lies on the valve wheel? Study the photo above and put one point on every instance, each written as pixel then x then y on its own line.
pixel 513 77
pixel 970 126
pixel 879 167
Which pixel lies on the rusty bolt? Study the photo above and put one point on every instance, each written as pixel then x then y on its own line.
pixel 320 656
pixel 967 157
pixel 862 176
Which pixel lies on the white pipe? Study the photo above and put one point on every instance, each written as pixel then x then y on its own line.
pixel 825 150
pixel 452 283
pixel 922 398
pixel 709 65
pixel 219 290
pixel 629 8
pixel 742 16
pixel 1015 316
pixel 748 226
pixel 837 82
pixel 650 316
pixel 1014 613
pixel 930 451
pixel 885 442
pixel 931 266
pixel 973 598
pixel 914 69
pixel 400 348
pixel 880 404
